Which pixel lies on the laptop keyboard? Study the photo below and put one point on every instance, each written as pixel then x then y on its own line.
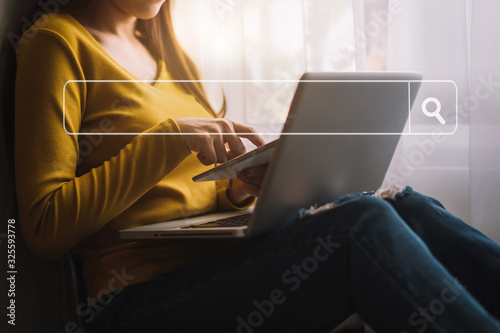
pixel 235 221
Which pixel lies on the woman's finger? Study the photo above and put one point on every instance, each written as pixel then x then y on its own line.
pixel 255 138
pixel 207 153
pixel 236 146
pixel 220 149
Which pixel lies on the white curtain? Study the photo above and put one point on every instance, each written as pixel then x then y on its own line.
pixel 431 37
pixel 444 39
pixel 455 40
pixel 265 40
pixel 484 110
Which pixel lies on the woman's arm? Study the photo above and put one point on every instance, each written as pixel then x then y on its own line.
pixel 57 209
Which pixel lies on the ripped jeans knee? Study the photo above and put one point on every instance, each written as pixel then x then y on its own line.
pixel 391 192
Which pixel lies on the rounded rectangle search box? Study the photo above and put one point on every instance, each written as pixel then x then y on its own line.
pixel 426 106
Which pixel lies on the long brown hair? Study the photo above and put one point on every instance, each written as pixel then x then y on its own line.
pixel 159 37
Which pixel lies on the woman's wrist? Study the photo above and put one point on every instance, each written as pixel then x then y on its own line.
pixel 237 194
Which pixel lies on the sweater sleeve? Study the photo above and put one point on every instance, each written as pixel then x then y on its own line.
pixel 57 209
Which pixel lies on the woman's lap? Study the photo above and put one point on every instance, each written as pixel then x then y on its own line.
pixel 307 275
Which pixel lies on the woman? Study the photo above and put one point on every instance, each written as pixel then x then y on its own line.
pixel 393 260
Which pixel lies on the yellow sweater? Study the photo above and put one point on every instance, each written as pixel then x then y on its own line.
pixel 77 191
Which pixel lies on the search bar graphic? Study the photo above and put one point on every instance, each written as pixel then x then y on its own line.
pixel 321 107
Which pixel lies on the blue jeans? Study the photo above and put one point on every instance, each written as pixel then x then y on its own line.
pixel 403 264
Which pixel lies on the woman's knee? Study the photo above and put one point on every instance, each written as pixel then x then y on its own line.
pixel 423 214
pixel 410 199
pixel 410 203
pixel 360 212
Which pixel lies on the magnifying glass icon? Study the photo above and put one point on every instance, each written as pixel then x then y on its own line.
pixel 436 114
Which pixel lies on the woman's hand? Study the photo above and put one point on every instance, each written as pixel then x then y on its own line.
pixel 247 185
pixel 253 179
pixel 208 138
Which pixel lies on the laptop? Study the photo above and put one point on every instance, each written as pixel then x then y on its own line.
pixel 339 137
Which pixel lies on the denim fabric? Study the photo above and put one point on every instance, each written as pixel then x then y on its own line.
pixel 404 264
